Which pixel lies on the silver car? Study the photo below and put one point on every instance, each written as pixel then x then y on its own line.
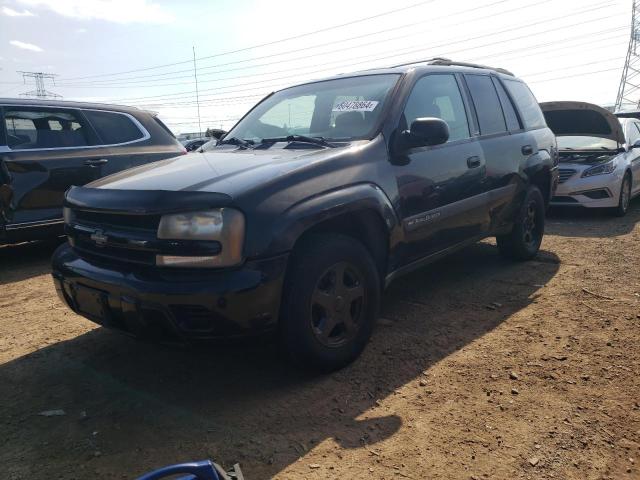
pixel 599 156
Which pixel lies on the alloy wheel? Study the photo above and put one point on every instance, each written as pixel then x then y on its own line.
pixel 625 194
pixel 531 230
pixel 337 305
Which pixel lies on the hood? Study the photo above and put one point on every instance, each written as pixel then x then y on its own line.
pixel 223 169
pixel 581 119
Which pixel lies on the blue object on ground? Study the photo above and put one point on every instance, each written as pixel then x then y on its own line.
pixel 204 470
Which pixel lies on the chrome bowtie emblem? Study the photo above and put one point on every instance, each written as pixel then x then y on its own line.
pixel 99 238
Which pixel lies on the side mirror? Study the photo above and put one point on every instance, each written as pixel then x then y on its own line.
pixel 426 132
pixel 636 144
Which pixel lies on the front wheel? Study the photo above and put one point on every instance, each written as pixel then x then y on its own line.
pixel 330 301
pixel 524 240
pixel 624 199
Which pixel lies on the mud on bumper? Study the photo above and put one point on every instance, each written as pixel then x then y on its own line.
pixel 172 305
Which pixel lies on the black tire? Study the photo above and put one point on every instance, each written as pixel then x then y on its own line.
pixel 330 302
pixel 523 242
pixel 625 197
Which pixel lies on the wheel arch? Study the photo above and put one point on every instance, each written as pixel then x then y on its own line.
pixel 360 211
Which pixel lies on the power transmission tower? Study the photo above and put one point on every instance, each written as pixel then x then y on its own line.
pixel 40 91
pixel 629 90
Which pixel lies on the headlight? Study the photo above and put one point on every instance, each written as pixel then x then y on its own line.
pixel 224 225
pixel 602 169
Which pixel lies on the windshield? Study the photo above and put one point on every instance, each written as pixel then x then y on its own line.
pixel 586 143
pixel 342 109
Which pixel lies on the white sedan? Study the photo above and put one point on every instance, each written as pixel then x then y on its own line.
pixel 599 156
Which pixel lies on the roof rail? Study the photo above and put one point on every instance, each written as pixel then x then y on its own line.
pixel 448 62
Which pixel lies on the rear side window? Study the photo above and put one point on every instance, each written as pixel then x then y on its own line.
pixel 488 109
pixel 507 107
pixel 43 128
pixel 439 96
pixel 113 128
pixel 164 127
pixel 527 104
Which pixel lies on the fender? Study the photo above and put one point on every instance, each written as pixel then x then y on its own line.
pixel 300 217
pixel 541 160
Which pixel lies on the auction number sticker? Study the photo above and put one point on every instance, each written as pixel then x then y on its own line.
pixel 356 106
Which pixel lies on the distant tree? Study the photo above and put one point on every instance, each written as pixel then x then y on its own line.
pixel 214 133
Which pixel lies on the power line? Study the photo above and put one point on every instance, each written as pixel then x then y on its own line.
pixel 590 8
pixel 122 83
pixel 324 44
pixel 295 37
pixel 528 49
pixel 394 54
pixel 575 75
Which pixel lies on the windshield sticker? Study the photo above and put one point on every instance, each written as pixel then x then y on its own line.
pixel 356 106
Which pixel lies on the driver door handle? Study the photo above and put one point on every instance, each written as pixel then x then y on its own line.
pixel 473 162
pixel 95 163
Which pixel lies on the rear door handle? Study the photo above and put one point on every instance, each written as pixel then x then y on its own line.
pixel 527 150
pixel 473 162
pixel 95 163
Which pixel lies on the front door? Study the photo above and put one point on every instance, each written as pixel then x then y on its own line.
pixel 441 187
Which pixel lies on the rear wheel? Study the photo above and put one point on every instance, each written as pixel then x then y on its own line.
pixel 330 302
pixel 625 197
pixel 524 240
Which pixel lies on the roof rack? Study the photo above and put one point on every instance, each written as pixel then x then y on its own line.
pixel 448 62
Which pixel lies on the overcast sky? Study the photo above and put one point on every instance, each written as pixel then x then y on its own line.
pixel 109 51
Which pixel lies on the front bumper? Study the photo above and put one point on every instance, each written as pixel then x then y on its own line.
pixel 169 304
pixel 599 191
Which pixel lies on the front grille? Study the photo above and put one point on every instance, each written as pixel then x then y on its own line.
pixel 114 237
pixel 566 174
pixel 116 220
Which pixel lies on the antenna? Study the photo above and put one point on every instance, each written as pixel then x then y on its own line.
pixel 40 91
pixel 629 90
pixel 195 75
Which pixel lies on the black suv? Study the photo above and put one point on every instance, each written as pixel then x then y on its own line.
pixel 318 198
pixel 47 146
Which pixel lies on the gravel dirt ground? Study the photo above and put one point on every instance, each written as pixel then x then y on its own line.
pixel 479 369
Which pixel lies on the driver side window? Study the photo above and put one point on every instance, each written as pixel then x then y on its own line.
pixel 439 96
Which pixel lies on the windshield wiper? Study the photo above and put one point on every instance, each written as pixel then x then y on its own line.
pixel 236 141
pixel 300 138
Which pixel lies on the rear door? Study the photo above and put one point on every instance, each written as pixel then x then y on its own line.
pixel 48 150
pixel 504 142
pixel 130 143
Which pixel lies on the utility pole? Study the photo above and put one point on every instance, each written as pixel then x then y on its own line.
pixel 195 74
pixel 629 90
pixel 40 91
